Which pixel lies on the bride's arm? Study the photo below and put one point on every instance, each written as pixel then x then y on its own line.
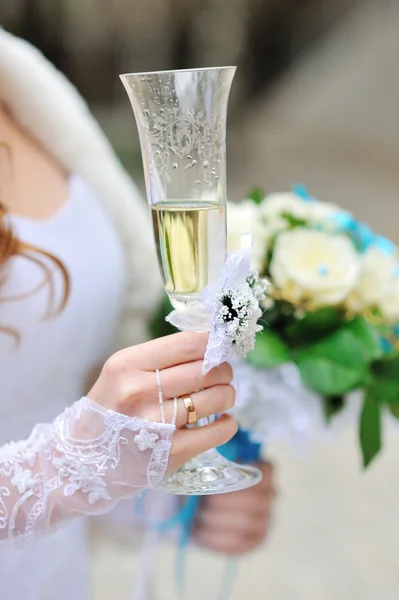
pixel 82 463
pixel 96 453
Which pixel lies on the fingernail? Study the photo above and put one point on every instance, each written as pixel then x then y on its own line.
pixel 222 417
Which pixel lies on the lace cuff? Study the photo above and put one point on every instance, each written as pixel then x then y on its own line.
pixel 82 463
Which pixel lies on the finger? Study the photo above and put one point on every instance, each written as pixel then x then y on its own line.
pixel 255 502
pixel 175 382
pixel 252 498
pixel 256 508
pixel 168 351
pixel 215 400
pixel 225 543
pixel 242 524
pixel 142 392
pixel 185 379
pixel 188 443
pixel 265 485
pixel 267 470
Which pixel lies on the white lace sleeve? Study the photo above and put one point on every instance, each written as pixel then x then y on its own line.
pixel 82 463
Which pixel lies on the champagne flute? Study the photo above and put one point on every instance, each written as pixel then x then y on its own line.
pixel 181 118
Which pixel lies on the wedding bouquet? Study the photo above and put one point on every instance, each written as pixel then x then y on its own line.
pixel 330 321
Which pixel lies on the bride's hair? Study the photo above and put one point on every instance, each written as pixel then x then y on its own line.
pixel 12 246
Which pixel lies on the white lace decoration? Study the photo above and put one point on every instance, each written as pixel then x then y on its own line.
pixel 145 440
pixel 88 457
pixel 229 310
pixel 233 304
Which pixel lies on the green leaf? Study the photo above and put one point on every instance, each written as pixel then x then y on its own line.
pixel 293 221
pixel 257 195
pixel 385 379
pixel 269 350
pixel 332 406
pixel 158 327
pixel 369 337
pixel 322 318
pixel 314 325
pixel 394 408
pixel 387 368
pixel 385 390
pixel 370 429
pixel 333 366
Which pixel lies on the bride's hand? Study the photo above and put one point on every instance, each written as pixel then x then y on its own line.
pixel 128 385
pixel 238 522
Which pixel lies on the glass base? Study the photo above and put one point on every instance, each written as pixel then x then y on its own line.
pixel 211 473
pixel 193 317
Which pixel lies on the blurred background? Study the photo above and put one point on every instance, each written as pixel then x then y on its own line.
pixel 316 101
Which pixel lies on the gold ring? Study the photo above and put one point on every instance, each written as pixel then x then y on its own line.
pixel 192 415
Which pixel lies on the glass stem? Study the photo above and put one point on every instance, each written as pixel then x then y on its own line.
pixel 212 453
pixel 205 421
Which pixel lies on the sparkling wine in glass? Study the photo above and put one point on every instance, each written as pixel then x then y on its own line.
pixel 191 240
pixel 181 118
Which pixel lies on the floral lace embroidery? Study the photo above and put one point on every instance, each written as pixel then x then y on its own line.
pixel 23 480
pixel 145 439
pixel 233 305
pixel 54 459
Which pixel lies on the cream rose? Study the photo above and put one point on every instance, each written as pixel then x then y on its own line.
pixel 309 265
pixel 322 212
pixel 389 304
pixel 378 284
pixel 311 211
pixel 274 205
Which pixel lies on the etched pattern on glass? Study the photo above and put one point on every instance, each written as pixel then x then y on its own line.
pixel 190 137
pixel 182 122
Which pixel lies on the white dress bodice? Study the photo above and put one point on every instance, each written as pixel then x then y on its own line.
pixel 49 368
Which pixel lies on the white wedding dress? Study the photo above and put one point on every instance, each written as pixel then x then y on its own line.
pixel 63 470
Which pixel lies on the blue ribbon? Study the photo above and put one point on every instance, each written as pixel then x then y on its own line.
pixel 360 232
pixel 300 190
pixel 239 448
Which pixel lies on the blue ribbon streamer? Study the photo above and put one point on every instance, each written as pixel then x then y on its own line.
pixel 299 189
pixel 239 448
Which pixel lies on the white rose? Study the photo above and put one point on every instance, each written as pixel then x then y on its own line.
pixel 323 212
pixel 315 266
pixel 389 304
pixel 244 218
pixel 312 211
pixel 274 205
pixel 378 284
